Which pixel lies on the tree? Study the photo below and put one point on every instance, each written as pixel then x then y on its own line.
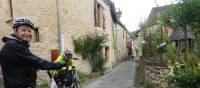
pixel 186 12
pixel 185 74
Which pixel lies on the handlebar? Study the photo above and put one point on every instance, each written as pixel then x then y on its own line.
pixel 75 58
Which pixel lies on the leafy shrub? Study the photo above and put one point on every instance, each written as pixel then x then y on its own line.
pixel 185 74
pixel 90 46
pixel 82 76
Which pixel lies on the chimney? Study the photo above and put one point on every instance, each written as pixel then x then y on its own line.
pixel 119 14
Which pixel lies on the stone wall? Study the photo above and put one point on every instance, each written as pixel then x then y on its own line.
pixel 155 73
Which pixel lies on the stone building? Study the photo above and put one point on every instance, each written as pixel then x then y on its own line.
pixel 57 22
pixel 122 39
pixel 154 21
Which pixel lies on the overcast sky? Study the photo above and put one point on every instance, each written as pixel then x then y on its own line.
pixel 135 11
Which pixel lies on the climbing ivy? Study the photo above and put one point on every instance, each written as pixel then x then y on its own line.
pixel 90 46
pixel 114 45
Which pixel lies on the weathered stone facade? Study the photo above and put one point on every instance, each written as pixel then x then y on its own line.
pixel 108 32
pixel 76 19
pixel 122 38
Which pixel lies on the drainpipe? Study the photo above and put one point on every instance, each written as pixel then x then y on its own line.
pixel 60 45
pixel 11 9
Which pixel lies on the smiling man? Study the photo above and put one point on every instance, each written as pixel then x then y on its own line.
pixel 19 65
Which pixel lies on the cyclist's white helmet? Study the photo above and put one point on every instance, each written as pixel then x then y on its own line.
pixel 21 21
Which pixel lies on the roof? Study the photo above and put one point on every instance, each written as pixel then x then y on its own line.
pixel 113 11
pixel 114 15
pixel 122 25
pixel 153 16
pixel 179 34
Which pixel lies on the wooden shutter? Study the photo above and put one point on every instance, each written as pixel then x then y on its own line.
pixel 54 54
pixel 104 20
pixel 95 12
pixel 101 16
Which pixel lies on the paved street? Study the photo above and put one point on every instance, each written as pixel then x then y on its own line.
pixel 121 77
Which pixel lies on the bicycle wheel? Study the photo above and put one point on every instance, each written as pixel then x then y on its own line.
pixel 60 85
pixel 76 85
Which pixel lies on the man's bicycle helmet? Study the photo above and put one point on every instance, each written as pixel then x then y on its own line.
pixel 21 21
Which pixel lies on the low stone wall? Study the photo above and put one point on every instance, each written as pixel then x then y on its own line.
pixel 155 73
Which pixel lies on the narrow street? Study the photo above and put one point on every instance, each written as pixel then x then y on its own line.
pixel 122 76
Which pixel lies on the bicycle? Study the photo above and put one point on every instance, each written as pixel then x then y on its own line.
pixel 67 79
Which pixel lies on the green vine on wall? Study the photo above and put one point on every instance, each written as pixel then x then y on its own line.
pixel 90 47
pixel 114 45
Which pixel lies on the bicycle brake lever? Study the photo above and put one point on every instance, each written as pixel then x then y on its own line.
pixel 75 58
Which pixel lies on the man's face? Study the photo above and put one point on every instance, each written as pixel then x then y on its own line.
pixel 24 32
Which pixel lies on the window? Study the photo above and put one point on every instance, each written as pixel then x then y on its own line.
pixel 36 36
pixel 11 8
pixel 190 43
pixel 99 16
pixel 106 53
pixel 104 22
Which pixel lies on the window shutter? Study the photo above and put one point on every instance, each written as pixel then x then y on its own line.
pixel 101 17
pixel 98 15
pixel 104 20
pixel 95 13
pixel 54 54
pixel 36 36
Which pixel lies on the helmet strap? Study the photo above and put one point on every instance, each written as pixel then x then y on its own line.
pixel 15 29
